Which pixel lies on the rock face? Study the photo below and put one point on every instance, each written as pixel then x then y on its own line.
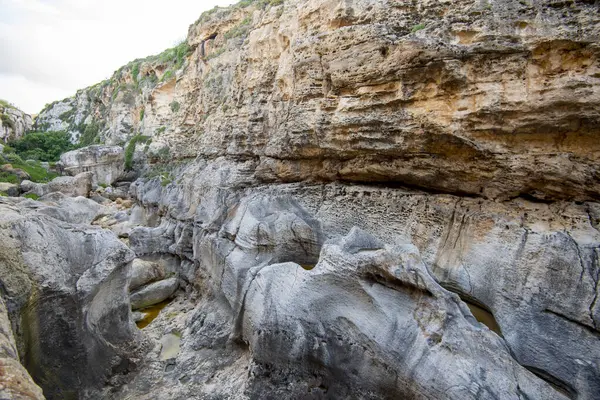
pixel 65 287
pixel 500 103
pixel 14 123
pixel 15 382
pixel 106 163
pixel 78 185
pixel 349 176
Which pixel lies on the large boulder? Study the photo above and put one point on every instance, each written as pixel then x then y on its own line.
pixel 106 163
pixel 153 293
pixel 78 185
pixel 66 289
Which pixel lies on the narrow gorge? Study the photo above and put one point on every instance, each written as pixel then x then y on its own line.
pixel 318 199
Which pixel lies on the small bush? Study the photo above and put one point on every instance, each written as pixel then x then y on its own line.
pixel 31 196
pixel 175 106
pixel 161 130
pixel 6 120
pixel 130 149
pixel 166 76
pixel 240 29
pixel 417 28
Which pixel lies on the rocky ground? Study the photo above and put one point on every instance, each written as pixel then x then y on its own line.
pixel 358 199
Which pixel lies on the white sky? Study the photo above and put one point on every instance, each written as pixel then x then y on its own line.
pixel 51 48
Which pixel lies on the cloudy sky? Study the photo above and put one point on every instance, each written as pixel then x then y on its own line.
pixel 51 48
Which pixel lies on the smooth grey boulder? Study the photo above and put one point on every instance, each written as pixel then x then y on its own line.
pixel 153 293
pixel 106 163
pixel 143 272
pixel 78 185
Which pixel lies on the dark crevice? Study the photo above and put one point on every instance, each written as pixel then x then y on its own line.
pixel 398 285
pixel 556 383
pixel 589 328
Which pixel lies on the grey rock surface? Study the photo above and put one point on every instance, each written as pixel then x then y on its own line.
pixel 78 185
pixel 153 293
pixel 15 382
pixel 106 163
pixel 65 286
pixel 143 272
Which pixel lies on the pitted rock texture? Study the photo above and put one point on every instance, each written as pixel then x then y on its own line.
pixel 492 99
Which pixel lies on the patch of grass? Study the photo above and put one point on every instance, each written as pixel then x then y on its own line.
pixel 31 196
pixel 175 106
pixel 215 53
pixel 417 28
pixel 240 29
pixel 166 76
pixel 142 114
pixel 67 115
pixel 2 194
pixel 35 171
pixel 161 171
pixel 135 71
pixel 161 130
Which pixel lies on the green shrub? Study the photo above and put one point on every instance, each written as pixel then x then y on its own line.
pixel 31 196
pixel 135 71
pixel 2 194
pixel 166 76
pixel 67 115
pixel 47 146
pixel 130 149
pixel 8 177
pixel 7 121
pixel 161 130
pixel 175 106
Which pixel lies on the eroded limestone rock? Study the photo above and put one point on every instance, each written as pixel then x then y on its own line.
pixel 106 163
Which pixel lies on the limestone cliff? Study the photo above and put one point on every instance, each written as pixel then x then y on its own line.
pixel 493 99
pixel 356 181
pixel 14 123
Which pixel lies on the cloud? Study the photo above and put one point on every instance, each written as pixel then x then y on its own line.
pixel 51 48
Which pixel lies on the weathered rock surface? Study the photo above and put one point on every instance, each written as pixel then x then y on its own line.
pixel 106 163
pixel 348 284
pixel 74 186
pixel 65 287
pixel 15 382
pixel 499 102
pixel 143 272
pixel 153 293
pixel 14 123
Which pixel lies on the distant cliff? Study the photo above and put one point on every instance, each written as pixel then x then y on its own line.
pixel 13 122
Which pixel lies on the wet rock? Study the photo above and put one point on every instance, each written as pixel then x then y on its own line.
pixel 15 382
